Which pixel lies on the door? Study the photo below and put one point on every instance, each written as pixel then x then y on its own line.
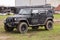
pixel 35 17
pixel 42 15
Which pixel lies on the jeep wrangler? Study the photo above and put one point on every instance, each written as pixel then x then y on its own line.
pixel 30 17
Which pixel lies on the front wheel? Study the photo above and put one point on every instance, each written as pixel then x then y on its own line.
pixel 8 29
pixel 22 27
pixel 49 25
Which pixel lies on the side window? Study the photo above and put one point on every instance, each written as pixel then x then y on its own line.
pixel 35 11
pixel 41 11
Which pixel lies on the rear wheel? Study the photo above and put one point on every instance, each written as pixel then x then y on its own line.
pixel 22 27
pixel 8 29
pixel 49 25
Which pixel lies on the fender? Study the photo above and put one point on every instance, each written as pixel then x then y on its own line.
pixel 49 18
pixel 24 19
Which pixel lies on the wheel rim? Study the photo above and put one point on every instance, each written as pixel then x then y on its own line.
pixel 50 25
pixel 23 28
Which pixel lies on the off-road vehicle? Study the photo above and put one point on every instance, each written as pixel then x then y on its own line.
pixel 30 17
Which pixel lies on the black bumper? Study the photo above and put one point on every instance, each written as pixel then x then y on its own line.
pixel 11 24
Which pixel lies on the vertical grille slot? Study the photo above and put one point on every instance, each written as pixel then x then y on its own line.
pixel 9 19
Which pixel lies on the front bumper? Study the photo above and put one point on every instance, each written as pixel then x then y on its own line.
pixel 11 24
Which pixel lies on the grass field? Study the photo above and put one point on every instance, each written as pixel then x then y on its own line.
pixel 39 34
pixel 56 16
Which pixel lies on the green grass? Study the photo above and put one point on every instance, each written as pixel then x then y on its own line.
pixel 40 34
pixel 4 17
pixel 56 16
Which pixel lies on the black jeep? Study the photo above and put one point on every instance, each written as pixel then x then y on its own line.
pixel 30 17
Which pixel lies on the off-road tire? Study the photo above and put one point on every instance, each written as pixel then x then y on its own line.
pixel 22 27
pixel 8 29
pixel 49 25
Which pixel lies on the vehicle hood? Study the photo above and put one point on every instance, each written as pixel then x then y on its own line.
pixel 20 16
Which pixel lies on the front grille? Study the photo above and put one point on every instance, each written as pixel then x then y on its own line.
pixel 10 20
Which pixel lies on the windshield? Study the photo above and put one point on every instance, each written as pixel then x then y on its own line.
pixel 25 11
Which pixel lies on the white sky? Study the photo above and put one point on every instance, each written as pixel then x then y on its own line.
pixel 12 2
pixel 54 2
pixel 7 2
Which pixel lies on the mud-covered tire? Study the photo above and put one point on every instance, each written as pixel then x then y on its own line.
pixel 8 29
pixel 49 25
pixel 22 28
pixel 35 27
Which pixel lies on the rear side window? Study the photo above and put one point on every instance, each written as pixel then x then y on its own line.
pixel 41 11
pixel 35 11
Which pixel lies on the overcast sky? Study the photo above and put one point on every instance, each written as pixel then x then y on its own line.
pixel 7 2
pixel 12 2
pixel 54 2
